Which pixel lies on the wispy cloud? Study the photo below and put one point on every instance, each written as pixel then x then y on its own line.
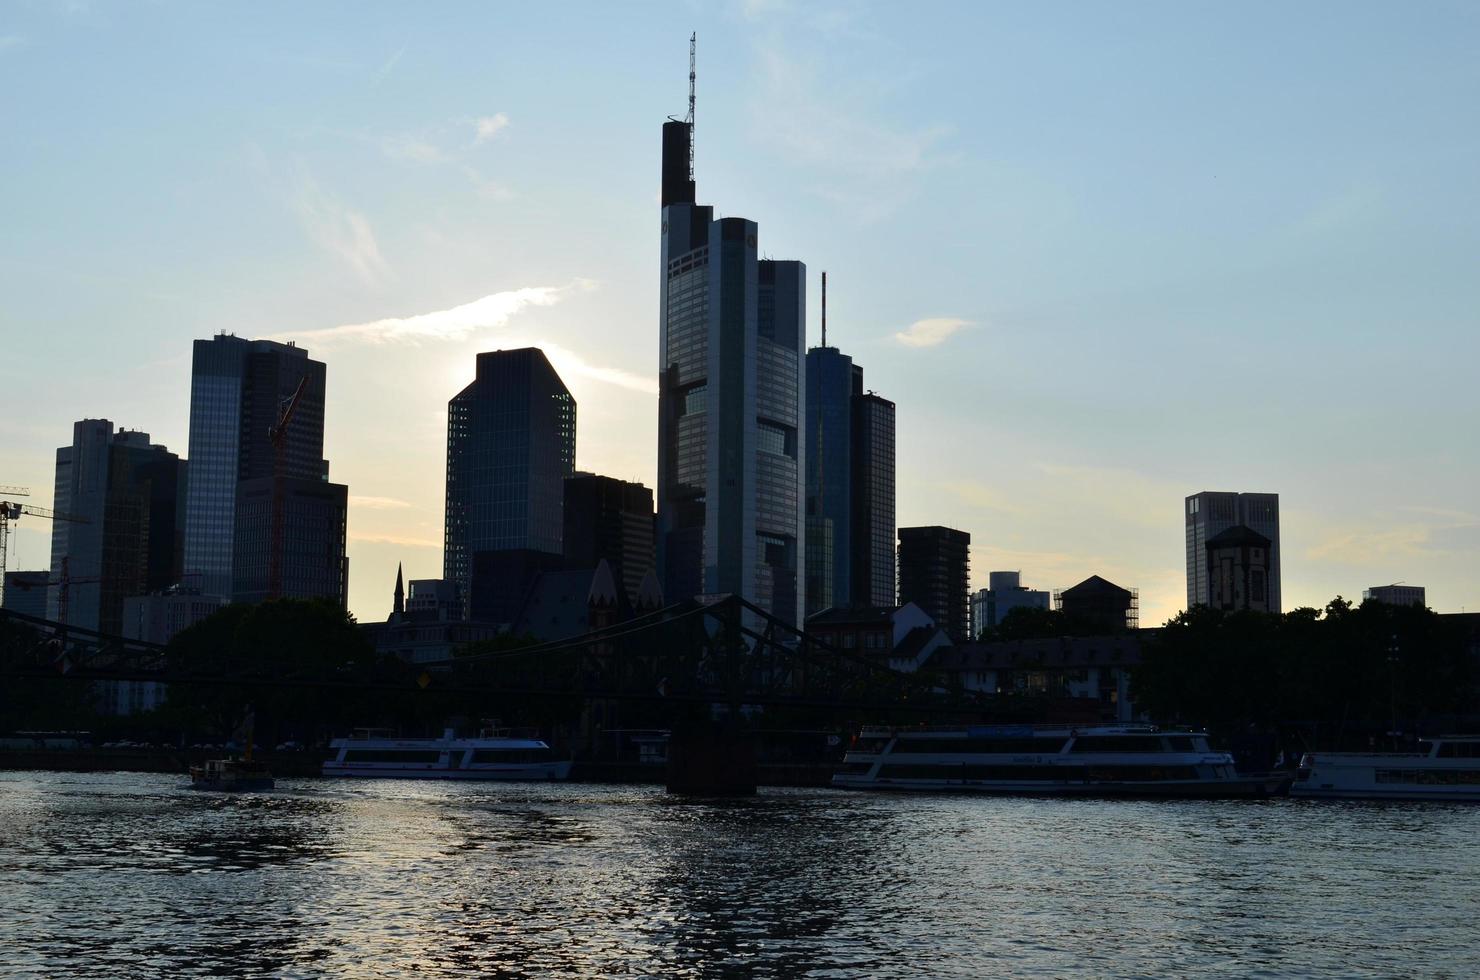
pixel 863 162
pixel 390 64
pixel 413 148
pixel 487 127
pixel 378 503
pixel 395 539
pixel 931 332
pixel 340 231
pixel 488 313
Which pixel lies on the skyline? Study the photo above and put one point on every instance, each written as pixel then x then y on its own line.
pixel 394 249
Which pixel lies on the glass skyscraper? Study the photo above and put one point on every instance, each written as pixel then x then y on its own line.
pixel 874 580
pixel 829 478
pixel 730 439
pixel 237 390
pixel 511 442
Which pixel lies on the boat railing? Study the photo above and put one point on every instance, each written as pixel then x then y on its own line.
pixel 886 731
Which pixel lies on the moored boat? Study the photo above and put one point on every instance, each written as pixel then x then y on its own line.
pixel 493 755
pixel 231 776
pixel 1446 767
pixel 1120 760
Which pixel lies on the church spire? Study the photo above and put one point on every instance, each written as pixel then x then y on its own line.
pixel 400 604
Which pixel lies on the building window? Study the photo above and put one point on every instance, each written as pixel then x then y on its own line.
pixel 1256 585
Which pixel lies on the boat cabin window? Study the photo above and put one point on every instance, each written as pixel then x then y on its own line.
pixel 390 755
pixel 1117 743
pixel 1459 750
pixel 509 755
pixel 1180 743
pixel 1041 746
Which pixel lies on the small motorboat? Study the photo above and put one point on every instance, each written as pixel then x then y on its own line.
pixel 231 776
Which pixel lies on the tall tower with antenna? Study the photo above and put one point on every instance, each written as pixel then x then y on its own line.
pixel 730 438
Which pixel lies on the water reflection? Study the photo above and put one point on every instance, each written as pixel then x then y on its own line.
pixel 133 875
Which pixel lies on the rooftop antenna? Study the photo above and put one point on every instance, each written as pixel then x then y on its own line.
pixel 693 44
pixel 824 307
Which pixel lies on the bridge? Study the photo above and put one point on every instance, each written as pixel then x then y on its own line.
pixel 700 667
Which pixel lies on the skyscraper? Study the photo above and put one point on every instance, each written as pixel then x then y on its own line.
pixel 609 519
pixel 238 389
pixel 730 388
pixel 934 574
pixel 1209 514
pixel 127 492
pixel 829 478
pixel 874 580
pixel 511 442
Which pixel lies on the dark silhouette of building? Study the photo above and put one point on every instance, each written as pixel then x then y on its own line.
pixel 873 580
pixel 502 579
pixel 314 565
pixel 1101 605
pixel 1238 569
pixel 733 332
pixel 611 519
pixel 829 475
pixel 934 574
pixel 511 442
pixel 238 390
pixel 127 492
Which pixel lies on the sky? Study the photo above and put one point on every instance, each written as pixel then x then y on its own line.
pixel 1101 256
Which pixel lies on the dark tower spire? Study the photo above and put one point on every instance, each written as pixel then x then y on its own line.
pixel 678 148
pixel 400 601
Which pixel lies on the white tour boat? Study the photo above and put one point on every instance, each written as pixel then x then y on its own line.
pixel 1121 760
pixel 1446 767
pixel 492 755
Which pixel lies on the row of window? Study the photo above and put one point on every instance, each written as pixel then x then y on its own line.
pixel 1058 774
pixel 1430 777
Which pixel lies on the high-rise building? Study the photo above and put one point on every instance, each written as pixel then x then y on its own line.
pixel 314 521
pixel 730 390
pixel 874 581
pixel 1210 513
pixel 829 478
pixel 238 390
pixel 1005 593
pixel 934 572
pixel 511 442
pixel 611 519
pixel 126 493
pixel 1238 570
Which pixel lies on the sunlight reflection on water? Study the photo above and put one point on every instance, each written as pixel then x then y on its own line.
pixel 132 875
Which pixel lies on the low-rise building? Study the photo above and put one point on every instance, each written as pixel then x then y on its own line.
pixel 155 618
pixel 1005 593
pixel 1397 594
pixel 1092 669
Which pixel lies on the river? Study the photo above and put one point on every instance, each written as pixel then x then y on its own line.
pixel 131 875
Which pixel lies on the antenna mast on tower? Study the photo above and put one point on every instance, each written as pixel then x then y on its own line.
pixel 824 307
pixel 693 43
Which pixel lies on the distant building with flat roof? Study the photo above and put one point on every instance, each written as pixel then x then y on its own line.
pixel 1397 594
pixel 1208 514
pixel 934 574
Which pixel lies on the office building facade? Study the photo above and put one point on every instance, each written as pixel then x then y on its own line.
pixel 314 526
pixel 934 574
pixel 1210 513
pixel 609 519
pixel 829 474
pixel 1005 593
pixel 1395 595
pixel 238 389
pixel 874 581
pixel 127 494
pixel 511 443
pixel 731 383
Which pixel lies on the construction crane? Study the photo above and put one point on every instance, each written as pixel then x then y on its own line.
pixel 278 435
pixel 12 511
pixel 64 583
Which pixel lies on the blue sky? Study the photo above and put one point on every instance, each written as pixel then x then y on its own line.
pixel 1101 255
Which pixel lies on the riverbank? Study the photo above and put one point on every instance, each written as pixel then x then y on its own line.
pixel 307 764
